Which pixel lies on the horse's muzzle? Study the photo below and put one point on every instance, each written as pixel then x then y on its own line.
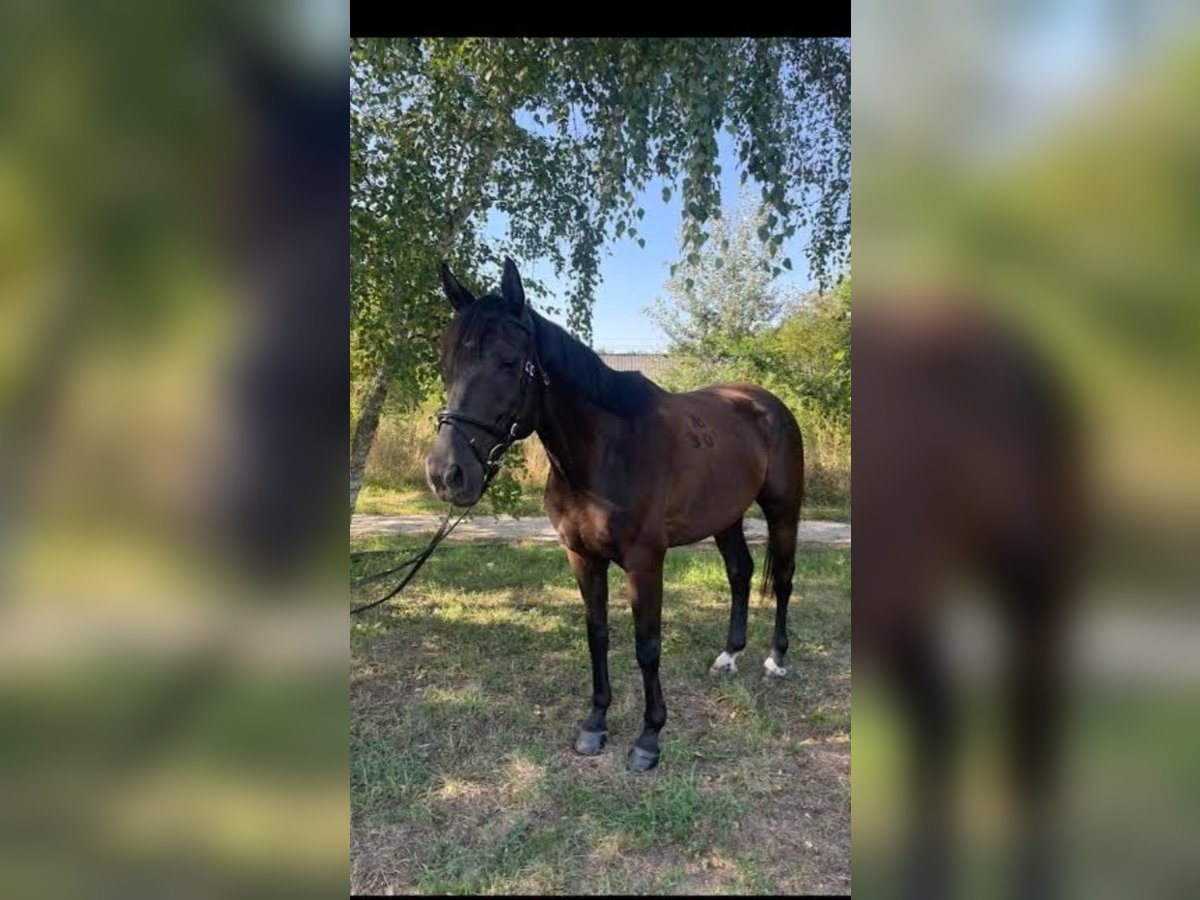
pixel 455 479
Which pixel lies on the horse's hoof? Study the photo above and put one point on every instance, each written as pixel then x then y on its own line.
pixel 773 671
pixel 642 760
pixel 590 743
pixel 725 664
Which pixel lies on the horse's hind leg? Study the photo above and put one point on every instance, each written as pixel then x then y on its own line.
pixel 780 498
pixel 916 670
pixel 1037 609
pixel 782 523
pixel 739 566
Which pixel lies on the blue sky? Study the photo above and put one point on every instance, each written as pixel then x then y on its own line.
pixel 633 276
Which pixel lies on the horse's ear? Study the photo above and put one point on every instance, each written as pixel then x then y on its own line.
pixel 510 283
pixel 459 296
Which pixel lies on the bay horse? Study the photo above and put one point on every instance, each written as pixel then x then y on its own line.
pixel 634 470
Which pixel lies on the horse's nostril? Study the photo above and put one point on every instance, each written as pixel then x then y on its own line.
pixel 454 476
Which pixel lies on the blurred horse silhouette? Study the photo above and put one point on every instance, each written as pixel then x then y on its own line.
pixel 965 460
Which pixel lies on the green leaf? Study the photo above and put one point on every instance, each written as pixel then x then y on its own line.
pixel 787 263
pixel 666 195
pixel 642 242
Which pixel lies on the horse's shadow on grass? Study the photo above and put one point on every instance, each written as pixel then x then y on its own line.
pixel 522 616
pixel 432 674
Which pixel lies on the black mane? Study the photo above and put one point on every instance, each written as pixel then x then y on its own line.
pixel 567 360
pixel 571 362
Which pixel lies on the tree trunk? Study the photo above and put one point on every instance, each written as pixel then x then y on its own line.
pixel 364 430
pixel 368 421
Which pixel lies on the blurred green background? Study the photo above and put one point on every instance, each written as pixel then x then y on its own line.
pixel 1046 158
pixel 172 669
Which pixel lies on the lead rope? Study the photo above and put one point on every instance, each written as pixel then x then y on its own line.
pixel 415 562
pixel 418 560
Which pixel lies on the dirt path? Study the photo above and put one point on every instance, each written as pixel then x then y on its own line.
pixel 537 528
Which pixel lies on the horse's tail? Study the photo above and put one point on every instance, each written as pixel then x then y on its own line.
pixel 768 579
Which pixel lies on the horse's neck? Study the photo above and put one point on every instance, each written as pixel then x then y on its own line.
pixel 565 427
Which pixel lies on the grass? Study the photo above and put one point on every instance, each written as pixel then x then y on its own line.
pixel 466 693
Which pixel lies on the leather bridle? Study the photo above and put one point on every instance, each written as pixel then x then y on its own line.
pixel 505 437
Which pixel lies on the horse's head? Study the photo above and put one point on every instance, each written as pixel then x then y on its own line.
pixel 490 368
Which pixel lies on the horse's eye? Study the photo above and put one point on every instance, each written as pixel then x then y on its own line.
pixel 508 364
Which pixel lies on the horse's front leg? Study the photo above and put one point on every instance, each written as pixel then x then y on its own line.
pixel 645 598
pixel 592 575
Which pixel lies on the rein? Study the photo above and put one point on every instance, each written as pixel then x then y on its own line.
pixel 417 560
pixel 491 466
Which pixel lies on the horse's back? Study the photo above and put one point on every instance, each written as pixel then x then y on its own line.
pixel 750 402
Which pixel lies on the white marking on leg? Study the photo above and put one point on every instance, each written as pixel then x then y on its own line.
pixel 726 662
pixel 774 668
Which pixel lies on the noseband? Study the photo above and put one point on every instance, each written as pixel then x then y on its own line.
pixel 505 437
